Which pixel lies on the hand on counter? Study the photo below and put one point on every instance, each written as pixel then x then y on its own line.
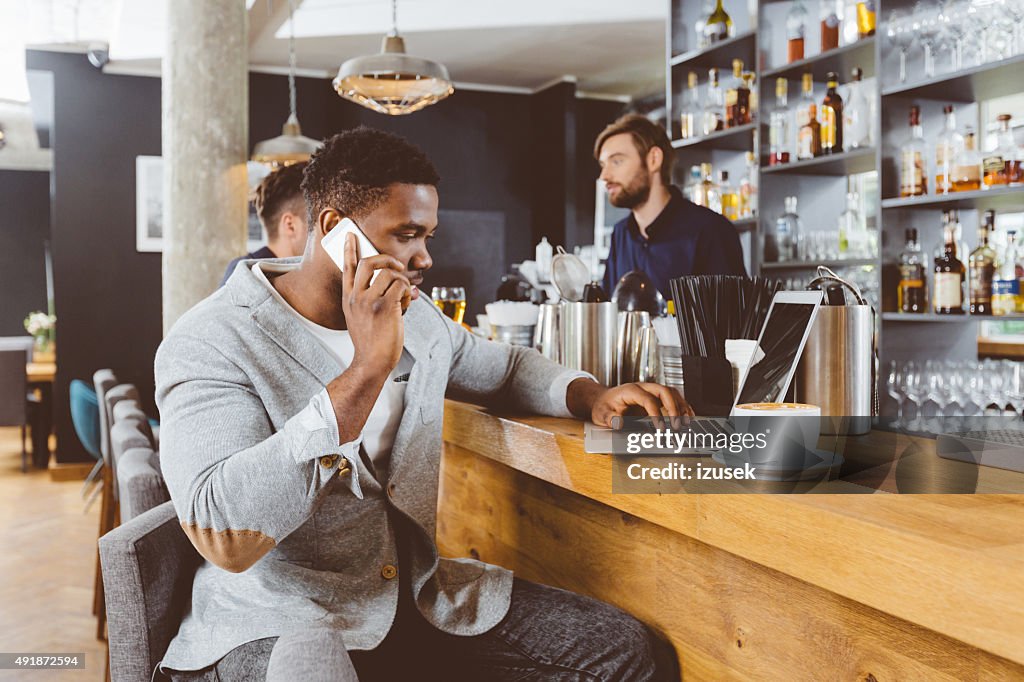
pixel 590 400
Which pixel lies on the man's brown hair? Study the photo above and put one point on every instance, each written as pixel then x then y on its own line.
pixel 646 135
pixel 281 191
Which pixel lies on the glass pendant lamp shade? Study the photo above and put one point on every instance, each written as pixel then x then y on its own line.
pixel 291 146
pixel 393 82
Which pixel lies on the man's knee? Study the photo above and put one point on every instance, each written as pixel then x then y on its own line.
pixel 639 654
pixel 313 655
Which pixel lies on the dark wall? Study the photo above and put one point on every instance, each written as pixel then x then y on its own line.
pixel 592 116
pixel 107 295
pixel 24 228
pixel 505 162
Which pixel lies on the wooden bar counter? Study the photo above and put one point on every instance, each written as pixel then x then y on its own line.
pixel 747 587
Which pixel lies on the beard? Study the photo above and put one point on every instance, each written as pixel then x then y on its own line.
pixel 634 194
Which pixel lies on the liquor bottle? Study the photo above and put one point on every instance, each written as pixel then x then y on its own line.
pixel 787 231
pixel 865 18
pixel 857 114
pixel 688 126
pixel 913 176
pixel 730 197
pixel 1002 166
pixel 967 165
pixel 806 100
pixel 853 236
pixel 737 98
pixel 1006 286
pixel 709 190
pixel 696 185
pixel 983 268
pixel 947 148
pixel 778 127
pixel 718 26
pixel 832 118
pixel 830 13
pixel 713 106
pixel 809 140
pixel 748 80
pixel 796 31
pixel 748 188
pixel 961 251
pixel 912 294
pixel 949 279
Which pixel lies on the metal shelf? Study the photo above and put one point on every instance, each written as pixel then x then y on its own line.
pixel 978 83
pixel 745 224
pixel 932 317
pixel 847 163
pixel 720 54
pixel 1002 198
pixel 811 265
pixel 841 60
pixel 735 139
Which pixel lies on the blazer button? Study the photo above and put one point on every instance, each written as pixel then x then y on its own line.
pixel 388 571
pixel 328 461
pixel 344 469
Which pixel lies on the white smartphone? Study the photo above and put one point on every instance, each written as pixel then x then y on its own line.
pixel 334 243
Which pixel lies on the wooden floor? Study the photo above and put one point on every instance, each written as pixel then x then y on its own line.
pixel 47 555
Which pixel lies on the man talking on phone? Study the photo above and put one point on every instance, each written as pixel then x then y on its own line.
pixel 301 409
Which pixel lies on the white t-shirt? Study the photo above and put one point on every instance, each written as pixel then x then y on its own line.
pixel 378 434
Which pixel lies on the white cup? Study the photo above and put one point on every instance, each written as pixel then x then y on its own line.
pixel 791 432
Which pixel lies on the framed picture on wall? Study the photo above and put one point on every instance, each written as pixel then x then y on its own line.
pixel 149 205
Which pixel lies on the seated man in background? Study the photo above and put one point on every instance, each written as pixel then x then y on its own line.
pixel 282 213
pixel 301 443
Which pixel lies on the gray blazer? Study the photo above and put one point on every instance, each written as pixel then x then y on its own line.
pixel 295 529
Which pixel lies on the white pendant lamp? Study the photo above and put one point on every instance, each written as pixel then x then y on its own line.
pixel 393 82
pixel 291 146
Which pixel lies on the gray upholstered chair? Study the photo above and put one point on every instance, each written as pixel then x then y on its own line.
pixel 103 380
pixel 140 485
pixel 13 392
pixel 148 567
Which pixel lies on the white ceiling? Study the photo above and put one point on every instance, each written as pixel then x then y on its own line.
pixel 609 46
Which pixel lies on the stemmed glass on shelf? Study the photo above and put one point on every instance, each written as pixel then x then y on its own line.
pixel 900 32
pixel 894 387
pixel 927 28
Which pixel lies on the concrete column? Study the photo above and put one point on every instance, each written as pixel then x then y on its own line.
pixel 205 146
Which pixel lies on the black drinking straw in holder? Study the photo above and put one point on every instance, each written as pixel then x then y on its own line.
pixel 710 309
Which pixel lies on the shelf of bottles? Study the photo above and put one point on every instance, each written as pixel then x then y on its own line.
pixel 953 172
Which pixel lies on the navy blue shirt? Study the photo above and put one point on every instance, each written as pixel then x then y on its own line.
pixel 264 252
pixel 685 239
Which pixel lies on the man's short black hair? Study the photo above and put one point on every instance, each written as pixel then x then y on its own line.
pixel 351 173
pixel 279 192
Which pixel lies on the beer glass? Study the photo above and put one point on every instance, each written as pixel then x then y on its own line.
pixel 451 301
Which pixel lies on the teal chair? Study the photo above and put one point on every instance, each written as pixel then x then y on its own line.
pixel 85 415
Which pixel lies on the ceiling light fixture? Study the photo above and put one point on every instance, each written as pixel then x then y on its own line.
pixel 393 82
pixel 291 146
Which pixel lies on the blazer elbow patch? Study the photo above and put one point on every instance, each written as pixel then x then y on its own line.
pixel 232 550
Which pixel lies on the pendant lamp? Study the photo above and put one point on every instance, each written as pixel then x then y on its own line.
pixel 291 146
pixel 393 82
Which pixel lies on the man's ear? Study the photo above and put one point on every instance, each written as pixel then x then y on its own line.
pixel 655 157
pixel 327 221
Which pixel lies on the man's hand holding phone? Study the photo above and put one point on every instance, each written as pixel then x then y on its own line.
pixel 373 306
